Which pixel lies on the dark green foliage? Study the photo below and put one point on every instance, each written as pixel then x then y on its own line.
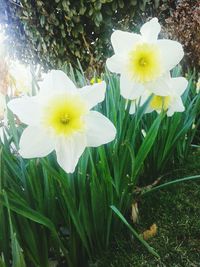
pixel 58 31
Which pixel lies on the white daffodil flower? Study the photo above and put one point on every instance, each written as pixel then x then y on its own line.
pixel 60 118
pixel 143 60
pixel 170 104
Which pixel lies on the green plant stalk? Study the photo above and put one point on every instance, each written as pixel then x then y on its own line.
pixel 149 248
pixel 177 181
pixel 20 208
pixel 17 253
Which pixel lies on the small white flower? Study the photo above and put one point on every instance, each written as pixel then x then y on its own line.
pixel 170 104
pixel 2 106
pixel 21 79
pixel 2 132
pixel 3 116
pixel 59 118
pixel 198 86
pixel 143 133
pixel 143 60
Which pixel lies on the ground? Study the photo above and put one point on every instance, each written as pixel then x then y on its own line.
pixel 176 211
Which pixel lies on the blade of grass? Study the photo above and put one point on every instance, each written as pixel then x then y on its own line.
pixel 177 181
pixel 148 247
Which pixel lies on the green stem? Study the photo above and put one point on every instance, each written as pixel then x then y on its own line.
pixel 140 238
pixel 146 192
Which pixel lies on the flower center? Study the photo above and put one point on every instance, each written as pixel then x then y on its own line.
pixel 144 63
pixel 64 114
pixel 160 102
pixel 65 119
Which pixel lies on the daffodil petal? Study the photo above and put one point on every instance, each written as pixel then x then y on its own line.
pixel 93 94
pixel 172 53
pixel 179 85
pixel 56 81
pixel 100 129
pixel 179 105
pixel 149 109
pixel 161 86
pixel 35 142
pixel 150 30
pixel 69 150
pixel 27 109
pixel 140 102
pixel 2 105
pixel 176 106
pixel 123 42
pixel 166 86
pixel 130 89
pixel 1 135
pixel 116 63
pixel 132 107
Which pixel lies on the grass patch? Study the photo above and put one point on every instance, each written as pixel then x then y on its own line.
pixel 176 211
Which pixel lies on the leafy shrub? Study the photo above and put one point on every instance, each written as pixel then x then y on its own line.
pixel 184 25
pixel 59 31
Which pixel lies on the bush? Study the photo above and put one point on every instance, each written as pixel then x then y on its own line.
pixel 59 31
pixel 184 25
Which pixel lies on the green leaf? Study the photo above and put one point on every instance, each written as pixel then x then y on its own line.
pixel 16 205
pixel 149 248
pixel 146 146
pixel 17 254
pixel 2 261
pixel 177 181
pixel 98 17
pixel 42 20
